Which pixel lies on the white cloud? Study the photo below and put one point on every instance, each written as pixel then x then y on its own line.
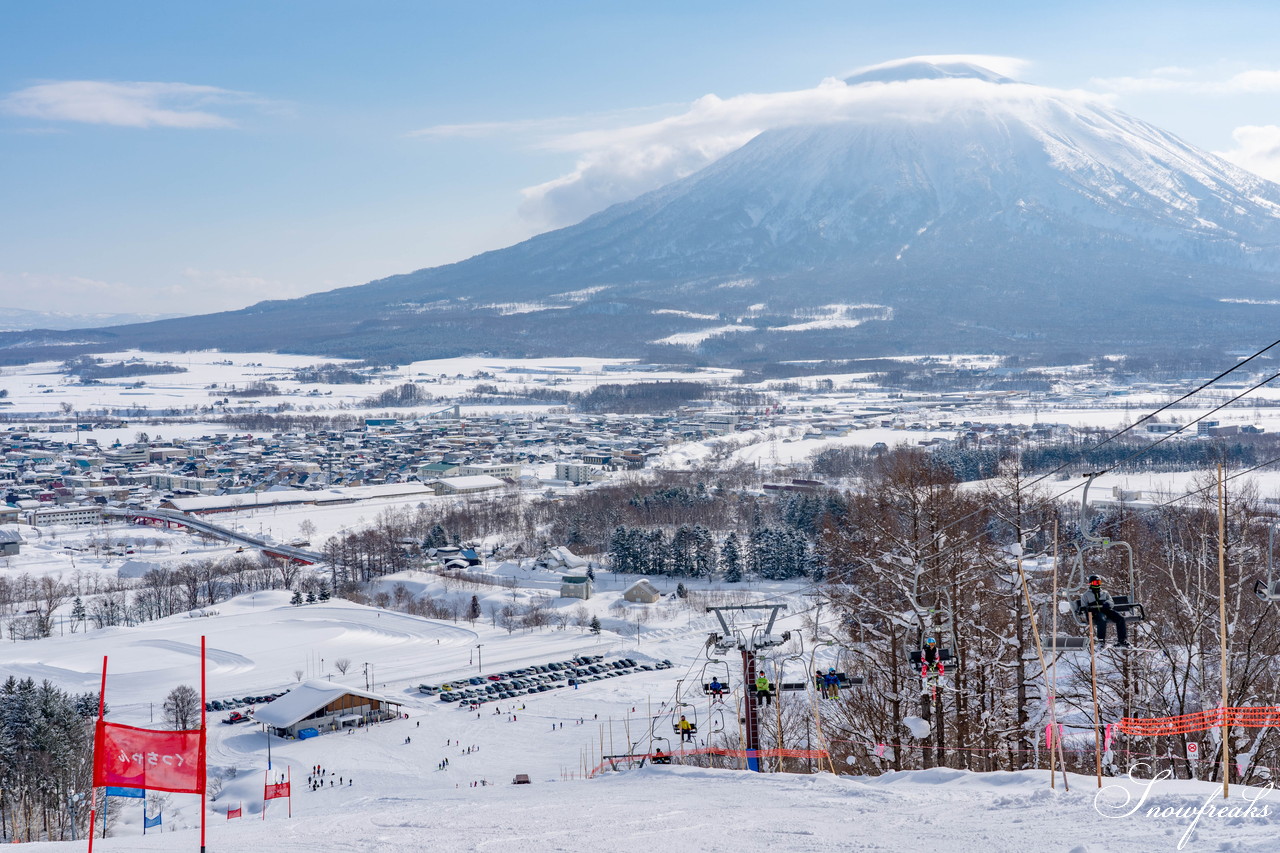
pixel 1183 80
pixel 125 104
pixel 619 163
pixel 1257 149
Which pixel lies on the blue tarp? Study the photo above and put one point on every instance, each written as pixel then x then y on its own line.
pixel 303 734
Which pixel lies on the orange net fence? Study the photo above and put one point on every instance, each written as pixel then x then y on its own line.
pixel 740 754
pixel 1253 718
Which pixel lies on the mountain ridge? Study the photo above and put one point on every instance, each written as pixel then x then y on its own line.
pixel 954 209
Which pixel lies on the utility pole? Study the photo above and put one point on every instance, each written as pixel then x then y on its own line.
pixel 479 657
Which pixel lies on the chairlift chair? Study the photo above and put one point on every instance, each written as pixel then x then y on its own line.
pixel 711 672
pixel 843 680
pixel 1126 605
pixel 690 714
pixel 790 683
pixel 1269 590
pixel 665 758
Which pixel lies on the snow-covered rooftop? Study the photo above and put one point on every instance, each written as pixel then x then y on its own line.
pixel 304 700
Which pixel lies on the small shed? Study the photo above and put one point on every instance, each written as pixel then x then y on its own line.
pixel 642 592
pixel 10 543
pixel 575 586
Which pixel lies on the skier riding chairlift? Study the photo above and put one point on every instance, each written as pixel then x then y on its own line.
pixel 1099 606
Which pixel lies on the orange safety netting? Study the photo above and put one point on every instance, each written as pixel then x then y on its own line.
pixel 1254 718
pixel 817 754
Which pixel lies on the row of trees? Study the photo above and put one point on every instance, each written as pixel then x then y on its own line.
pixel 917 556
pixel 46 755
pixel 769 553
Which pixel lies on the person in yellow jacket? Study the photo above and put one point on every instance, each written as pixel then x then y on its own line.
pixel 686 729
pixel 763 694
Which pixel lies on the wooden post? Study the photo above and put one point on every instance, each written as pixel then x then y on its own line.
pixel 1222 632
pixel 1035 635
pixel 1056 750
pixel 1093 678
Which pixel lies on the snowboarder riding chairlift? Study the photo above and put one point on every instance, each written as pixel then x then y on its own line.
pixel 831 684
pixel 1098 604
pixel 763 694
pixel 930 658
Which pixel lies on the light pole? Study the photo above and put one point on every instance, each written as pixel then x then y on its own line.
pixel 266 730
pixel 479 659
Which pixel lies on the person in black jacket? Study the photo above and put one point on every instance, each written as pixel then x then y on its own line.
pixel 1097 604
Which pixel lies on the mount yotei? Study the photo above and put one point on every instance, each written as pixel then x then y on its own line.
pixel 946 208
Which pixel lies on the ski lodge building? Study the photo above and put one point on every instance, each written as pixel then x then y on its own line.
pixel 324 707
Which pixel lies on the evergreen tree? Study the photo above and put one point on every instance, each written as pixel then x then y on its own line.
pixel 622 555
pixel 311 598
pixel 704 552
pixel 324 590
pixel 436 538
pixel 680 560
pixel 591 573
pixel 473 610
pixel 595 624
pixel 656 555
pixel 296 601
pixel 78 613
pixel 731 559
pixel 681 592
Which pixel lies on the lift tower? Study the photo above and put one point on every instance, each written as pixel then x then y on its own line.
pixel 749 645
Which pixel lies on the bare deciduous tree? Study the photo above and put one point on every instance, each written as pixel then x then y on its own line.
pixel 182 707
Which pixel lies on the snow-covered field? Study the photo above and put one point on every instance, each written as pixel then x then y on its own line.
pixel 398 800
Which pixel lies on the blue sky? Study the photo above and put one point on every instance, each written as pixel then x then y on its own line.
pixel 182 158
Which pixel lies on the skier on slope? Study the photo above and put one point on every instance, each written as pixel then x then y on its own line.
pixel 1098 605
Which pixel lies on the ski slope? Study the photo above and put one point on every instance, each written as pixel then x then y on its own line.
pixel 399 799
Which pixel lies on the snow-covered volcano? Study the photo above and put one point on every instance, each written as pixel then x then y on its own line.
pixel 942 206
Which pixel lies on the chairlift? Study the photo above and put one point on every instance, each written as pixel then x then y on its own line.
pixel 1269 590
pixel 665 757
pixel 717 722
pixel 784 682
pixel 683 711
pixel 1126 605
pixel 714 683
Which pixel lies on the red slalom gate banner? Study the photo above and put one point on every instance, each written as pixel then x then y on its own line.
pixel 137 758
pixel 277 790
pixel 130 757
pixel 236 812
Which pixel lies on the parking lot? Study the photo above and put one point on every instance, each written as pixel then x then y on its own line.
pixel 539 678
